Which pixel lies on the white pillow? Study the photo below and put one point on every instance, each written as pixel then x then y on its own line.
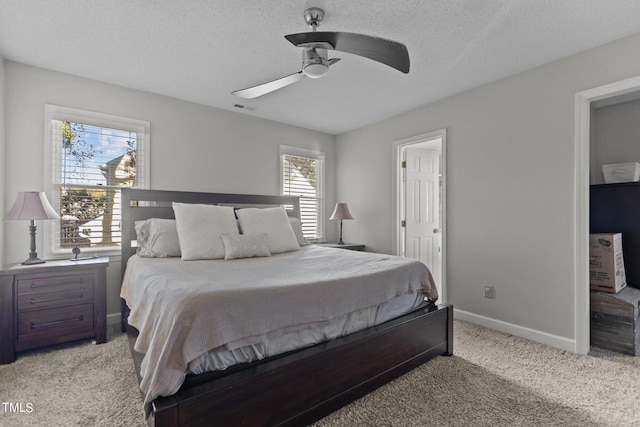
pixel 245 245
pixel 296 225
pixel 199 229
pixel 157 238
pixel 272 221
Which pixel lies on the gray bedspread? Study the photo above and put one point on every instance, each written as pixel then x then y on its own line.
pixel 184 309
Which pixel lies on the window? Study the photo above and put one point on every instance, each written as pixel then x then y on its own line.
pixel 302 174
pixel 88 158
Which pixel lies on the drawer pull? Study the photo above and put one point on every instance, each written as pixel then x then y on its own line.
pixel 57 322
pixel 43 285
pixel 598 316
pixel 38 301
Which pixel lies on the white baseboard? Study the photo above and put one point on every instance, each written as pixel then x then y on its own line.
pixel 519 331
pixel 113 318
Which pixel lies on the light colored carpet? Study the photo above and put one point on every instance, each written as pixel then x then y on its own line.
pixel 76 384
pixel 494 379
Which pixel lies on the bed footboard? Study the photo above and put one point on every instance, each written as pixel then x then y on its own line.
pixel 304 386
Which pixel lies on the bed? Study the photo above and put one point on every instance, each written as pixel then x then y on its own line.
pixel 356 344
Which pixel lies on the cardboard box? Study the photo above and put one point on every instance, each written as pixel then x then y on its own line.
pixel 606 262
pixel 621 172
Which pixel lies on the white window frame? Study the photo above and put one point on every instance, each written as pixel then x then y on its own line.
pixel 51 171
pixel 312 154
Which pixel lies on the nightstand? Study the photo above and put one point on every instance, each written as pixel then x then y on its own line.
pixel 52 303
pixel 350 246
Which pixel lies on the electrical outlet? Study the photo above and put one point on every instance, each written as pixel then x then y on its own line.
pixel 489 292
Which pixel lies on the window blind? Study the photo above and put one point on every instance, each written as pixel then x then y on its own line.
pixel 302 176
pixel 90 164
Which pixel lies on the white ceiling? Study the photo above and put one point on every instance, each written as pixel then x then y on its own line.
pixel 201 50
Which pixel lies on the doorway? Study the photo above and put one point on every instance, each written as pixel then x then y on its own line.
pixel 419 213
pixel 583 101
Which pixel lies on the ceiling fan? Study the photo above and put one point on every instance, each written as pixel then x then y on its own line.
pixel 316 63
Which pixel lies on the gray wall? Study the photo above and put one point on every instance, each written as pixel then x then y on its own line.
pixel 510 187
pixel 193 147
pixel 616 136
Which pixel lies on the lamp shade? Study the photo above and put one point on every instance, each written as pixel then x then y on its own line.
pixel 32 205
pixel 341 211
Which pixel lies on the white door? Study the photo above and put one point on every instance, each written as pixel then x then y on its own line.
pixel 422 209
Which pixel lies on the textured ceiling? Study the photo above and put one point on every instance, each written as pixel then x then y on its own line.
pixel 202 50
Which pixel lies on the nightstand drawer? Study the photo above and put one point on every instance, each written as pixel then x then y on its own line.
pixel 63 295
pixel 50 283
pixel 54 325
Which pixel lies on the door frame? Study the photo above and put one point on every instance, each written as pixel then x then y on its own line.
pixel 583 102
pixel 398 148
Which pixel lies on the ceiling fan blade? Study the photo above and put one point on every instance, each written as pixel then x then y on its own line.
pixel 385 51
pixel 264 88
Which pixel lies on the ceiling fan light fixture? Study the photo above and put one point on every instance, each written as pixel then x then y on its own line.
pixel 315 63
pixel 315 70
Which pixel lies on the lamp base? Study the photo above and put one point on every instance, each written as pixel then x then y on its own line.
pixel 33 261
pixel 340 242
pixel 33 255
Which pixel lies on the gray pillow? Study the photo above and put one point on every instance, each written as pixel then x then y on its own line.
pixel 272 221
pixel 296 225
pixel 157 238
pixel 245 245
pixel 199 228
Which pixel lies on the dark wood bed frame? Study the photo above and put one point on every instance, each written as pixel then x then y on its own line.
pixel 299 387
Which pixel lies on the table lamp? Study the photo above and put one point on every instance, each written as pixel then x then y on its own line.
pixel 32 205
pixel 341 212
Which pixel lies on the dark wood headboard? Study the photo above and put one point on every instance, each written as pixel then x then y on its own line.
pixel 139 204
